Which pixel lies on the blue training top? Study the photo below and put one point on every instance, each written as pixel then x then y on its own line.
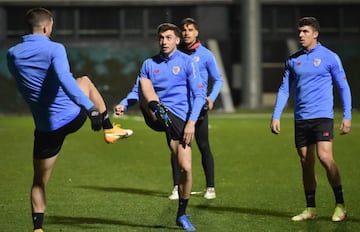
pixel 311 75
pixel 41 69
pixel 207 68
pixel 175 79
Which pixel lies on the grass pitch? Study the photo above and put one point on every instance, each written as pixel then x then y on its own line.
pixel 124 186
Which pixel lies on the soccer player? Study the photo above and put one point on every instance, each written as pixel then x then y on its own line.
pixel 311 73
pixel 208 67
pixel 167 83
pixel 59 103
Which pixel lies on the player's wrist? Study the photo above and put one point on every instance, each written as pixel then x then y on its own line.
pixel 91 109
pixel 191 122
pixel 153 105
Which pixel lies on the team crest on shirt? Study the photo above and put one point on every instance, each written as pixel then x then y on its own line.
pixel 196 58
pixel 317 62
pixel 176 70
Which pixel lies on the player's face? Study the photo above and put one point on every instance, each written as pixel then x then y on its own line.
pixel 168 42
pixel 308 37
pixel 189 34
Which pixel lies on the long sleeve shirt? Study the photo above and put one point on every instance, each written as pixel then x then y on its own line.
pixel 208 68
pixel 41 69
pixel 311 74
pixel 175 80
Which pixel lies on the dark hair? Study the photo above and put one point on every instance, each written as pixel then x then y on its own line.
pixel 189 21
pixel 36 17
pixel 309 21
pixel 168 26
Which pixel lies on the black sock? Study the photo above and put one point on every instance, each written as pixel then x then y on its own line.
pixel 338 192
pixel 182 206
pixel 38 219
pixel 106 121
pixel 310 198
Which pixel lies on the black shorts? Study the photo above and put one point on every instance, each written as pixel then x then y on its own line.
pixel 48 144
pixel 311 131
pixel 174 132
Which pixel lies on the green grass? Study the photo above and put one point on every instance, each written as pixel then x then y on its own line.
pixel 124 186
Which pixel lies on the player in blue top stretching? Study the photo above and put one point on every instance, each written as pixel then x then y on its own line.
pixel 171 96
pixel 310 73
pixel 208 68
pixel 59 103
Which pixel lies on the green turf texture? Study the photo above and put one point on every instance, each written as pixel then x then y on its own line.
pixel 124 186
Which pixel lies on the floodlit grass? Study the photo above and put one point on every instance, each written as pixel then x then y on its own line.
pixel 124 186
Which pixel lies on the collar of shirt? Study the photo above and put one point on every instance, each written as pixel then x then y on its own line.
pixel 191 49
pixel 168 58
pixel 33 37
pixel 318 45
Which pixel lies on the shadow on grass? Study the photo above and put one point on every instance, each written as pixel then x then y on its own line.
pixel 250 211
pixel 88 222
pixel 263 212
pixel 127 190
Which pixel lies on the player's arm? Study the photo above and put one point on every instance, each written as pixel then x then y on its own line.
pixel 72 89
pixel 281 100
pixel 217 80
pixel 198 92
pixel 345 95
pixel 343 88
pixel 131 99
pixel 68 83
pixel 197 89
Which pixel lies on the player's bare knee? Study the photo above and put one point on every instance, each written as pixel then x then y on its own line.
pixel 83 80
pixel 186 168
pixel 85 84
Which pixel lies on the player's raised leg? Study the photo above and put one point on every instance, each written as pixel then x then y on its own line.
pixel 112 132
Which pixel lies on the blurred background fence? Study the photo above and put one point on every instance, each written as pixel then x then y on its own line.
pixel 108 40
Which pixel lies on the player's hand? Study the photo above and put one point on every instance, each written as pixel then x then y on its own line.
pixel 210 103
pixel 345 126
pixel 160 112
pixel 189 132
pixel 95 118
pixel 275 126
pixel 119 110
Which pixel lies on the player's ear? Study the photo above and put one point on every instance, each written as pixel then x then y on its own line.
pixel 316 34
pixel 177 40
